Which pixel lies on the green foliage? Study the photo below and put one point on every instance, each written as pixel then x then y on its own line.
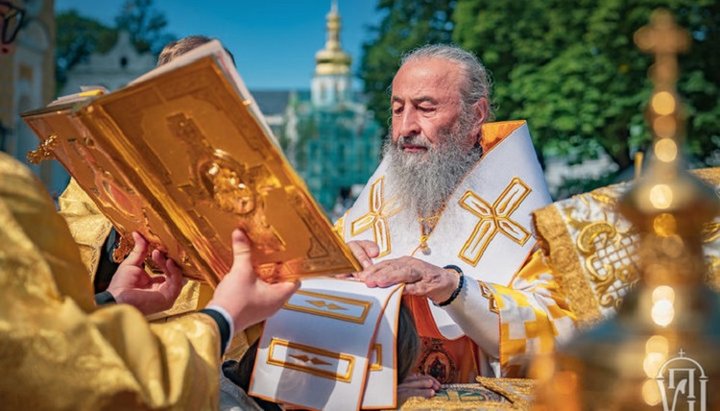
pixel 572 70
pixel 145 25
pixel 569 67
pixel 406 24
pixel 79 36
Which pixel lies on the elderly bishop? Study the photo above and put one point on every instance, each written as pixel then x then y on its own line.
pixel 448 213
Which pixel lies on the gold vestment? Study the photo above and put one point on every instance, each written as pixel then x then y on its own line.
pixel 57 351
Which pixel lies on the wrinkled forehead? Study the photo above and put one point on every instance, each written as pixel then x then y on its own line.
pixel 428 76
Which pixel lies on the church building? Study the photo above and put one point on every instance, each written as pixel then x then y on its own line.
pixel 329 135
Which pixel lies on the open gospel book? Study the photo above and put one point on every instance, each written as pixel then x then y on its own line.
pixel 183 156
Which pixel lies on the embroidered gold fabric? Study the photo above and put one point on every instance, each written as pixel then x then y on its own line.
pixel 591 248
pixel 533 313
pixel 57 351
pixel 487 394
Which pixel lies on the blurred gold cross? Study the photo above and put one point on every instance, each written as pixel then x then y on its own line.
pixel 665 39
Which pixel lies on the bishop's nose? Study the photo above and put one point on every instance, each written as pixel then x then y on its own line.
pixel 406 124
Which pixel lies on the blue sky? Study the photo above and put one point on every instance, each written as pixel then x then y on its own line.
pixel 274 41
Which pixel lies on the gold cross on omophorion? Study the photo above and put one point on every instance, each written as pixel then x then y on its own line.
pixel 377 217
pixel 665 40
pixel 494 219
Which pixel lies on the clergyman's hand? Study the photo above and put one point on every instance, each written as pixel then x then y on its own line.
pixel 132 285
pixel 247 298
pixel 364 251
pixel 420 278
pixel 417 385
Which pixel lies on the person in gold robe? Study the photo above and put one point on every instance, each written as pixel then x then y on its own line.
pixel 448 214
pixel 58 350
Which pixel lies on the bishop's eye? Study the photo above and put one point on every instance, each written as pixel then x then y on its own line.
pixel 427 108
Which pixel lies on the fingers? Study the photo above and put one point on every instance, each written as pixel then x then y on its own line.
pixel 282 291
pixel 371 248
pixel 420 381
pixel 240 248
pixel 390 273
pixel 416 392
pixel 364 250
pixel 436 383
pixel 139 251
pixel 417 385
pixel 172 281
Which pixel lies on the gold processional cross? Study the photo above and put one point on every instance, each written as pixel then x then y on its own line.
pixel 664 39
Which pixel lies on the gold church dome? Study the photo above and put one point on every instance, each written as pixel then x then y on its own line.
pixel 332 59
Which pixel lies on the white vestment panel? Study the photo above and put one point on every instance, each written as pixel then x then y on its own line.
pixel 315 352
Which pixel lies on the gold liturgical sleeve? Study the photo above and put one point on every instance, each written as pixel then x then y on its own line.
pixel 57 351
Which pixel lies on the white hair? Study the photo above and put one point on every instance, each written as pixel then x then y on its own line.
pixel 478 84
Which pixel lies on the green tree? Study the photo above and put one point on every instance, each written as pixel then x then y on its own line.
pixel 572 70
pixel 406 24
pixel 77 38
pixel 146 25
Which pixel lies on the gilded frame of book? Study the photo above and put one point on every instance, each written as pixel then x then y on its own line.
pixel 183 159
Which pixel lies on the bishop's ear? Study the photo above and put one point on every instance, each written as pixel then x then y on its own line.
pixel 482 115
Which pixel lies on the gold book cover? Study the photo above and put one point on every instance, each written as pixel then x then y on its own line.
pixel 183 156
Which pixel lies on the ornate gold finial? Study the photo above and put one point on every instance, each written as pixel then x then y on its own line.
pixel 44 150
pixel 664 39
pixel 667 191
pixel 626 363
pixel 332 59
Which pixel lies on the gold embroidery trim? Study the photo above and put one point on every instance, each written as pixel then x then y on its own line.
pixel 330 306
pixel 311 359
pixel 563 259
pixel 492 304
pixel 376 218
pixel 339 226
pixel 494 219
pixel 377 364
pixel 608 257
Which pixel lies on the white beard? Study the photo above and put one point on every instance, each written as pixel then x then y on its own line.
pixel 423 182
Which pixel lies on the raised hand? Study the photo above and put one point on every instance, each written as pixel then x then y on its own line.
pixel 247 298
pixel 364 251
pixel 132 285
